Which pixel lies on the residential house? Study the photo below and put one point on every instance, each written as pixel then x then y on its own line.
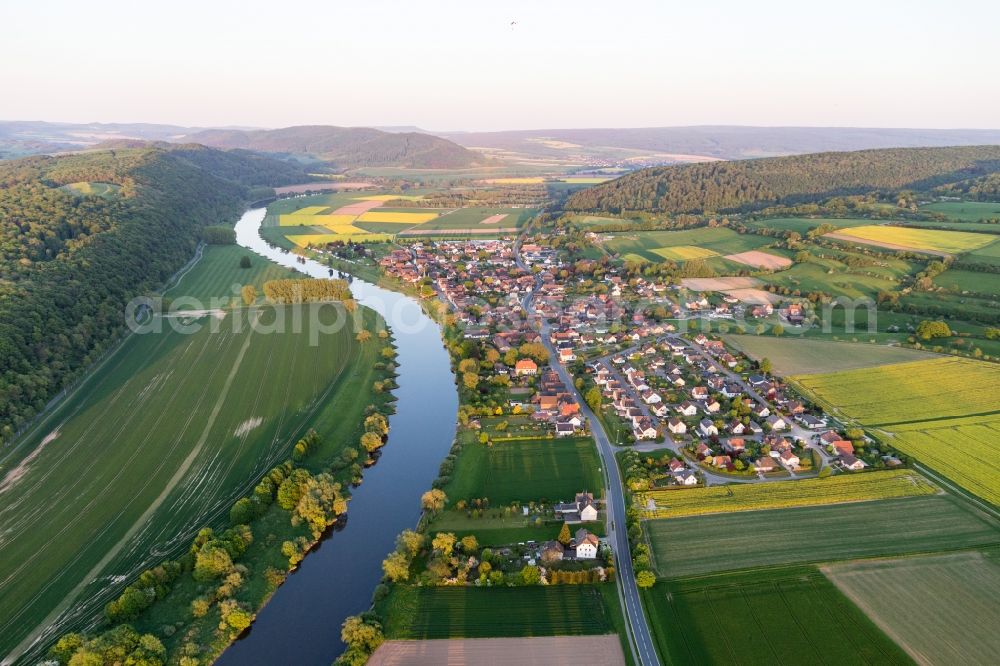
pixel 789 459
pixel 585 544
pixel 707 428
pixel 526 368
pixel 676 426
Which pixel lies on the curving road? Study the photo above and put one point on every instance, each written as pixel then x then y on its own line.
pixel 643 648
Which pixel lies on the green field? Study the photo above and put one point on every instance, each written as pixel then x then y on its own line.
pixel 989 254
pixel 906 392
pixel 522 471
pixel 413 612
pixel 970 281
pixel 746 540
pixel 216 273
pixel 790 616
pixel 805 492
pixel 802 356
pixel 156 444
pixel 942 608
pixel 470 218
pixel 719 240
pixel 835 277
pixel 966 211
pixel 802 225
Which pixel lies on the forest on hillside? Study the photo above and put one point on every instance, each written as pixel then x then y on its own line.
pixel 70 262
pixel 753 184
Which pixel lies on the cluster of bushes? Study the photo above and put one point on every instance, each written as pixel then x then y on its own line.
pixel 219 234
pixel 309 290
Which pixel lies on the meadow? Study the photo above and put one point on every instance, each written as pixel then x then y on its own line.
pixel 413 612
pixel 717 240
pixel 833 277
pixel 804 356
pixel 216 273
pixel 970 281
pixel 905 392
pixel 806 492
pixel 964 450
pixel 966 211
pixel 942 609
pixel 988 254
pixel 928 240
pixel 157 443
pixel 91 189
pixel 473 217
pixel 526 470
pixel 783 617
pixel 751 539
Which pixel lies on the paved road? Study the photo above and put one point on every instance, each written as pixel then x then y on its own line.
pixel 643 647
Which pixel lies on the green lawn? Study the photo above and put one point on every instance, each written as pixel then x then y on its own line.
pixel 157 443
pixel 413 612
pixel 790 616
pixel 724 542
pixel 523 471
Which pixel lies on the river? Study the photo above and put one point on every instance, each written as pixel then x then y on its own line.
pixel 301 623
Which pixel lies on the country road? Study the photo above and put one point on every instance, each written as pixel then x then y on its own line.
pixel 642 642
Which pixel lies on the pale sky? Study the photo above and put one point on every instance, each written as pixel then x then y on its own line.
pixel 446 65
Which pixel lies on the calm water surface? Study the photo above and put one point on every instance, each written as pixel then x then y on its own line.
pixel 301 623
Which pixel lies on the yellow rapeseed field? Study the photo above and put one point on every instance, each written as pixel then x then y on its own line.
pixel 964 450
pixel 683 252
pixel 952 242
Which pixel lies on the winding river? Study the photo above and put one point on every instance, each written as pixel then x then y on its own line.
pixel 301 623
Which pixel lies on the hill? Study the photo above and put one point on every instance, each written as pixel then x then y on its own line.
pixel 751 184
pixel 718 142
pixel 347 147
pixel 69 264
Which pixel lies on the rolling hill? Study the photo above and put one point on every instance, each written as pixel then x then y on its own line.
pixel 751 184
pixel 346 147
pixel 713 142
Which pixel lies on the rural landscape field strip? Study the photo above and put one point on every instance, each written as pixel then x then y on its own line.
pixel 907 392
pixel 920 600
pixel 57 504
pixel 783 617
pixel 950 242
pixel 802 356
pixel 964 450
pixel 744 540
pixel 456 612
pixel 524 470
pixel 807 492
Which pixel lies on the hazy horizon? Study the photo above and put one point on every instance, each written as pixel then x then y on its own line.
pixel 450 66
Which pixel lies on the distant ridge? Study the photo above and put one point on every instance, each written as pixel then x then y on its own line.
pixel 751 184
pixel 727 142
pixel 347 147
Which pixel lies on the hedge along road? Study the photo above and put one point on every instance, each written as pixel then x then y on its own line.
pixel 301 622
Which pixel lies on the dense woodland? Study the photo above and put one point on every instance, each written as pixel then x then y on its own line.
pixel 70 263
pixel 754 184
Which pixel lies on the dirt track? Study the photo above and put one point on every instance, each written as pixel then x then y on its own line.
pixel 542 651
